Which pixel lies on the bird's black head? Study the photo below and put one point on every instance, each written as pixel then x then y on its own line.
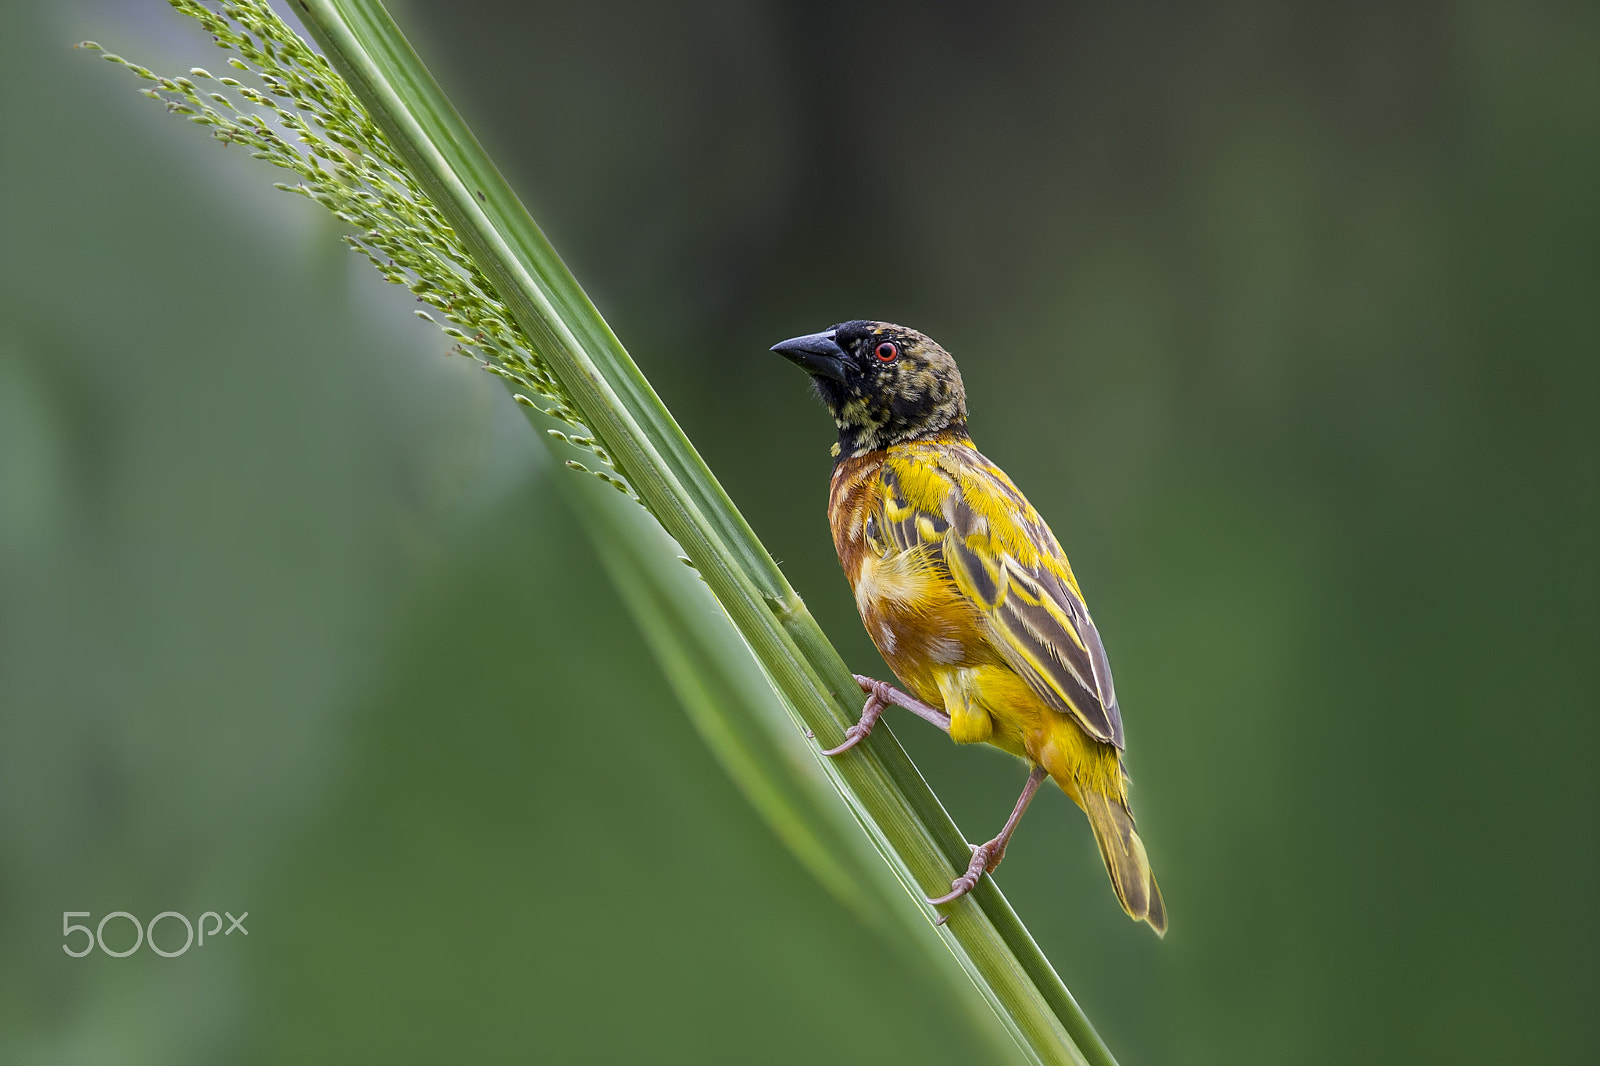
pixel 883 384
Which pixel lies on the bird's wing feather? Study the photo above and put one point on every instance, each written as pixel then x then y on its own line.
pixel 1003 558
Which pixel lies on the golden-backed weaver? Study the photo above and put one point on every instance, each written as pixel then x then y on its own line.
pixel 966 592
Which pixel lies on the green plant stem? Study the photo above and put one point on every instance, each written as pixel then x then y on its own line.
pixel 901 816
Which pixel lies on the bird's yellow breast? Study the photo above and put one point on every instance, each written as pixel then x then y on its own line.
pixel 933 636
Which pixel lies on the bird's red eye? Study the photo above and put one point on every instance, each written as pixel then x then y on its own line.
pixel 887 352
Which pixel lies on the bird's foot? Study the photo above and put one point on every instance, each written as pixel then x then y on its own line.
pixel 886 694
pixel 985 857
pixel 870 713
pixel 880 694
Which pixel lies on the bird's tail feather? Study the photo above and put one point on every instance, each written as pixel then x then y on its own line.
pixel 1125 859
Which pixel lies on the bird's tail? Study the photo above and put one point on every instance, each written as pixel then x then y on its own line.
pixel 1125 858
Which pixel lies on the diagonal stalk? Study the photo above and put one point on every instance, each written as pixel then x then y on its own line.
pixel 709 663
pixel 900 813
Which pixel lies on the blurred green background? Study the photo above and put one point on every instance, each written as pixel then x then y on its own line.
pixel 1286 317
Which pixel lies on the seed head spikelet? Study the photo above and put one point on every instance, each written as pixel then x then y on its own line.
pixel 301 116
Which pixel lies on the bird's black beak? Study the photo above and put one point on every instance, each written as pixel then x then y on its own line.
pixel 815 353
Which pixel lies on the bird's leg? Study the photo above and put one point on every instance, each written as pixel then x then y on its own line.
pixel 986 857
pixel 888 694
pixel 880 695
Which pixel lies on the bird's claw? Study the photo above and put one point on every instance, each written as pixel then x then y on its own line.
pixel 863 728
pixel 852 736
pixel 979 866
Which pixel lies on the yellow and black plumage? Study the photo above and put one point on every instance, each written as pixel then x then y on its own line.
pixel 965 590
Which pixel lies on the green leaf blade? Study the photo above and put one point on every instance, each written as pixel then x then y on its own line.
pixel 734 668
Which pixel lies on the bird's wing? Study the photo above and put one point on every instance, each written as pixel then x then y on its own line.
pixel 1003 558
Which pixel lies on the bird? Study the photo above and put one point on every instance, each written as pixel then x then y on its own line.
pixel 967 594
